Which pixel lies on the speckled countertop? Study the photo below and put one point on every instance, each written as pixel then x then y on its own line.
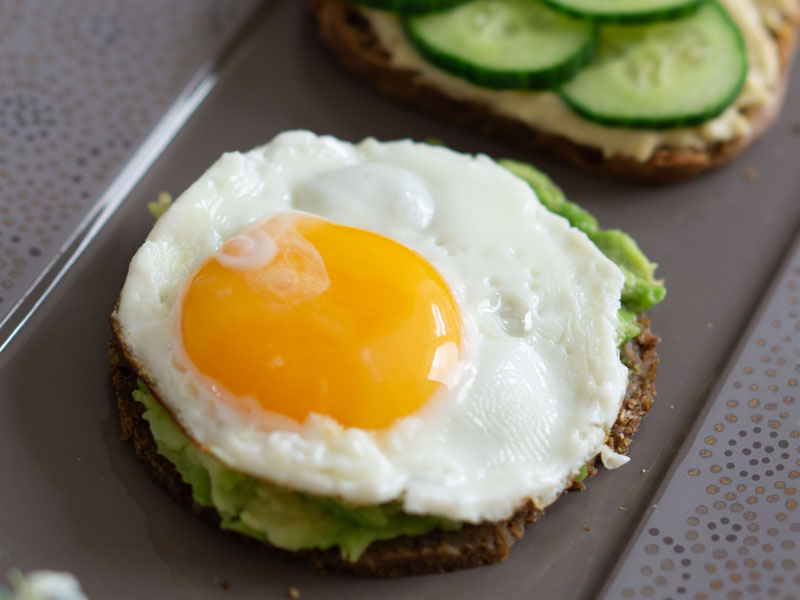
pixel 85 87
pixel 103 104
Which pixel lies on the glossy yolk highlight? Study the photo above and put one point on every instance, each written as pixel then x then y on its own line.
pixel 308 316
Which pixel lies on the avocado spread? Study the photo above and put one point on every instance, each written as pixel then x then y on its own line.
pixel 295 520
pixel 286 519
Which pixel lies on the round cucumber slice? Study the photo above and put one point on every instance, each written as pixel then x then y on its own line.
pixel 504 44
pixel 625 11
pixel 410 6
pixel 663 75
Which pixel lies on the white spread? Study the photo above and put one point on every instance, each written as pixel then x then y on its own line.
pixel 777 12
pixel 547 112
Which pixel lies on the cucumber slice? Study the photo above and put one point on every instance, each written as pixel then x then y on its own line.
pixel 664 75
pixel 410 6
pixel 504 44
pixel 626 11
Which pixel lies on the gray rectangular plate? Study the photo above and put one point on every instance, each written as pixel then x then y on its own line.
pixel 725 520
pixel 75 498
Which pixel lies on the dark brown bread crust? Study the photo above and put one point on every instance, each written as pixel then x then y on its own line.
pixel 348 34
pixel 436 552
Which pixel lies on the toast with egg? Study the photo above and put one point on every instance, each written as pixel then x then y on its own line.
pixel 258 349
pixel 439 551
pixel 374 45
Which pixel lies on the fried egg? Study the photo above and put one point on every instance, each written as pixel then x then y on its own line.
pixel 379 322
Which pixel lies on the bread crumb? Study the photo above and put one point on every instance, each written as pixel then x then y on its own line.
pixel 294 593
pixel 587 528
pixel 644 470
pixel 622 508
pixel 710 325
pixel 750 174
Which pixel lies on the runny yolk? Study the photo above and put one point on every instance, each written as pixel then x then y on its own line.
pixel 308 316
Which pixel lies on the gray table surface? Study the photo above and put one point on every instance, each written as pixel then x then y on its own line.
pixel 74 496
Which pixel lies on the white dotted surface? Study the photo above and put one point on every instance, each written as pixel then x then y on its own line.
pixel 82 84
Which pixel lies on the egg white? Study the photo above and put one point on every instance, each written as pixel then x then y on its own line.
pixel 541 381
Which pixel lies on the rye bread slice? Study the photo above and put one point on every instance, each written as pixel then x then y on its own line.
pixel 435 552
pixel 343 27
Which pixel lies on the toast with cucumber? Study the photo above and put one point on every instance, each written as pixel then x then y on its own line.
pixel 641 90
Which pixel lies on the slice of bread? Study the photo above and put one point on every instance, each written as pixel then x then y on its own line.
pixel 436 552
pixel 347 30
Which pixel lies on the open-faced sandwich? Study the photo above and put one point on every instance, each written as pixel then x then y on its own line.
pixel 643 90
pixel 385 357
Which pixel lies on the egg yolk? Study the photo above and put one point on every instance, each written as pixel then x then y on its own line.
pixel 304 316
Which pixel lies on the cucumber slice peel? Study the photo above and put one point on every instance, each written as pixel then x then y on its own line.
pixel 664 75
pixel 504 44
pixel 625 11
pixel 410 6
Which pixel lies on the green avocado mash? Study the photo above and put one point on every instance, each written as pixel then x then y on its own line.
pixel 295 520
pixel 160 206
pixel 581 474
pixel 287 519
